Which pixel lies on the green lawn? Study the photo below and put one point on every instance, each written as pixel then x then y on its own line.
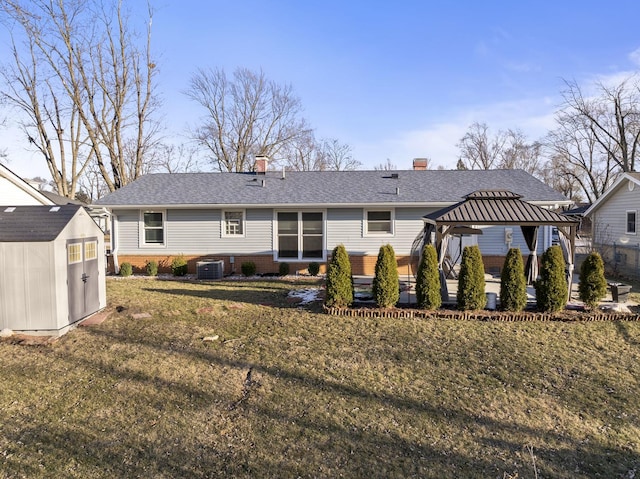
pixel 326 397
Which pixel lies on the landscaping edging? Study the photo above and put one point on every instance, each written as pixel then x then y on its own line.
pixel 505 316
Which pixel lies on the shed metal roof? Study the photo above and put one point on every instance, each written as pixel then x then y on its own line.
pixel 496 207
pixel 34 223
pixel 410 187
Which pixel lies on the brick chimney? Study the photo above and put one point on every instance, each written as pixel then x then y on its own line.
pixel 261 164
pixel 420 163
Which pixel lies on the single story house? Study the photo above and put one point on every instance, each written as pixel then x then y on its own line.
pixel 616 227
pixel 269 217
pixel 52 268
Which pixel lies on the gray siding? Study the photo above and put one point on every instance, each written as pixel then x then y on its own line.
pixel 192 231
pixel 346 226
pixel 492 241
pixel 197 231
pixel 127 231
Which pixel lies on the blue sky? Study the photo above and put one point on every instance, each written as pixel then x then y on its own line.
pixel 399 79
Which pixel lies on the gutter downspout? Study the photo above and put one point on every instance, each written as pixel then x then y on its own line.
pixel 114 243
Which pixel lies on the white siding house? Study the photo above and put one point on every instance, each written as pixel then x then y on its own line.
pixel 15 191
pixel 616 225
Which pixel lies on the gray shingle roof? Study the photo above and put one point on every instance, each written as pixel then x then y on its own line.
pixel 34 223
pixel 324 188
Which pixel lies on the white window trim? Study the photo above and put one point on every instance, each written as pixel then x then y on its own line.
pixel 626 222
pixel 365 223
pixel 300 236
pixel 223 224
pixel 141 229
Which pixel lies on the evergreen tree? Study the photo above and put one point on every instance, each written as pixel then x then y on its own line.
pixel 339 283
pixel 428 280
pixel 551 288
pixel 513 285
pixel 471 293
pixel 593 285
pixel 386 283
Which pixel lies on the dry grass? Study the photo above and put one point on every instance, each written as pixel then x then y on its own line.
pixel 326 397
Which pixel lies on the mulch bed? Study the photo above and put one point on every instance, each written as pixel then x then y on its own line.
pixel 482 315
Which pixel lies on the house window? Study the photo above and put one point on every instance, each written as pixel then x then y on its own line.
pixel 74 253
pixel 631 222
pixel 300 235
pixel 233 223
pixel 153 228
pixel 379 222
pixel 90 250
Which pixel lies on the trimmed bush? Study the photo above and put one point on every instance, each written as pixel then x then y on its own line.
pixel 428 280
pixel 152 268
pixel 248 268
pixel 513 284
pixel 313 268
pixel 551 288
pixel 593 285
pixel 471 294
pixel 283 269
pixel 386 284
pixel 179 266
pixel 339 283
pixel 126 269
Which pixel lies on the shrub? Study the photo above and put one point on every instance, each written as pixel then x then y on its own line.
pixel 179 266
pixel 593 285
pixel 339 283
pixel 386 284
pixel 551 288
pixel 513 284
pixel 283 269
pixel 126 269
pixel 248 268
pixel 471 280
pixel 152 268
pixel 428 280
pixel 313 268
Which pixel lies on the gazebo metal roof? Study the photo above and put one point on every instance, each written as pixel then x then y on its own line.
pixel 497 207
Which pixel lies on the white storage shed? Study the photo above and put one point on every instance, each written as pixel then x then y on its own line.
pixel 52 268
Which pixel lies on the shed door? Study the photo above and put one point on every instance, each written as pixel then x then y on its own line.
pixel 82 277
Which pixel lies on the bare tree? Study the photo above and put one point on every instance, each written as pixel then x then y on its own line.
pixel 176 158
pixel 303 154
pixel 517 153
pixel 562 177
pixel 612 118
pixel 480 151
pixel 386 166
pixel 83 85
pixel 246 116
pixel 577 156
pixel 338 156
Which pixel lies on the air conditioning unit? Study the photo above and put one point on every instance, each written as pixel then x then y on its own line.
pixel 210 269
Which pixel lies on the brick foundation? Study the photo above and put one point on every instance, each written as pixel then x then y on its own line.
pixel 360 265
pixel 264 264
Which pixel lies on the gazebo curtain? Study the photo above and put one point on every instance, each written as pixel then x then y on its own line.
pixel 565 243
pixel 530 234
pixel 441 248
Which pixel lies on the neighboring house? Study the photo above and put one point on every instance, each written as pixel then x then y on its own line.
pixel 16 191
pixel 616 226
pixel 298 217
